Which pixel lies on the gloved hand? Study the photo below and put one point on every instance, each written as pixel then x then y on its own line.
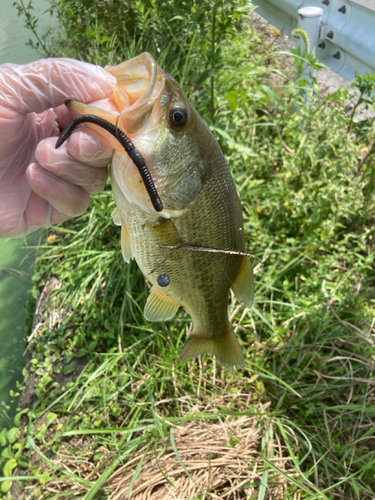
pixel 39 185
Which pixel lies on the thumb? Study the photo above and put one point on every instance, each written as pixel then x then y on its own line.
pixel 48 83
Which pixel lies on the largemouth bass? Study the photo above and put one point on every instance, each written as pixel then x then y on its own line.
pixel 201 208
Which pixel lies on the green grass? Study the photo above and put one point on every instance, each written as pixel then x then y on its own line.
pixel 306 186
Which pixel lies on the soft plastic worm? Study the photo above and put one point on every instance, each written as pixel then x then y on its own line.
pixel 126 143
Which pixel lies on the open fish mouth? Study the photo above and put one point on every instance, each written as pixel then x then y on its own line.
pixel 135 79
pixel 140 82
pixel 134 96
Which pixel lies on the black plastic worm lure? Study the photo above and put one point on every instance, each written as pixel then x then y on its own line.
pixel 126 143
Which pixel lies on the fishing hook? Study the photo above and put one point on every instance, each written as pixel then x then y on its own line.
pixel 126 143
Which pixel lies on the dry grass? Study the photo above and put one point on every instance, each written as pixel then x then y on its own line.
pixel 203 460
pixel 216 468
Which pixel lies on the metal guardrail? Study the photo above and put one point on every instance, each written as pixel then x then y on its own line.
pixel 347 32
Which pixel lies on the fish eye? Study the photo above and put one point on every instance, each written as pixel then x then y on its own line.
pixel 178 117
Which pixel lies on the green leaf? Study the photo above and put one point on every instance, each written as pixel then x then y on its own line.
pixel 177 18
pixel 51 416
pixel 12 434
pixel 7 452
pixel 23 462
pixel 263 485
pixel 273 96
pixel 18 416
pixel 231 97
pixel 92 345
pixel 5 486
pixel 68 369
pixel 9 466
pixel 44 478
pixel 68 358
pixel 3 437
pixel 174 446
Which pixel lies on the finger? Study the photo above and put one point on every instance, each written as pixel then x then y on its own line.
pixel 64 196
pixel 63 116
pixel 88 147
pixel 39 213
pixel 90 174
pixel 46 83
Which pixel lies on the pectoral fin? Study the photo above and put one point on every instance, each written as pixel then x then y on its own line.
pixel 126 246
pixel 159 307
pixel 165 232
pixel 116 217
pixel 243 285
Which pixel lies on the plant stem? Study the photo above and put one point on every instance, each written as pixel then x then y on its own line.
pixel 353 112
pixel 213 64
pixel 31 26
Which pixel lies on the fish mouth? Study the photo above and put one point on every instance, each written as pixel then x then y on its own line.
pixel 139 85
pixel 140 82
pixel 135 109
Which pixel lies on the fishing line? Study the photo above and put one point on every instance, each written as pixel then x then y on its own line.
pixel 126 143
pixel 175 248
pixel 210 250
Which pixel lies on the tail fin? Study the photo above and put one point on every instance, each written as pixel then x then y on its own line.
pixel 226 348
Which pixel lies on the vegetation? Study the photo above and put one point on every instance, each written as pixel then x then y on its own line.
pixel 305 174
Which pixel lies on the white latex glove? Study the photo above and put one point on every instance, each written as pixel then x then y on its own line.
pixel 39 185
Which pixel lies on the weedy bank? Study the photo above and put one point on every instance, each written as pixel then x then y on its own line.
pixel 109 412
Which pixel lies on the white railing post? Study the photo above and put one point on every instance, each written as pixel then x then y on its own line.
pixel 309 20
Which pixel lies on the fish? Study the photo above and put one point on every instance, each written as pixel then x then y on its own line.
pixel 192 251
